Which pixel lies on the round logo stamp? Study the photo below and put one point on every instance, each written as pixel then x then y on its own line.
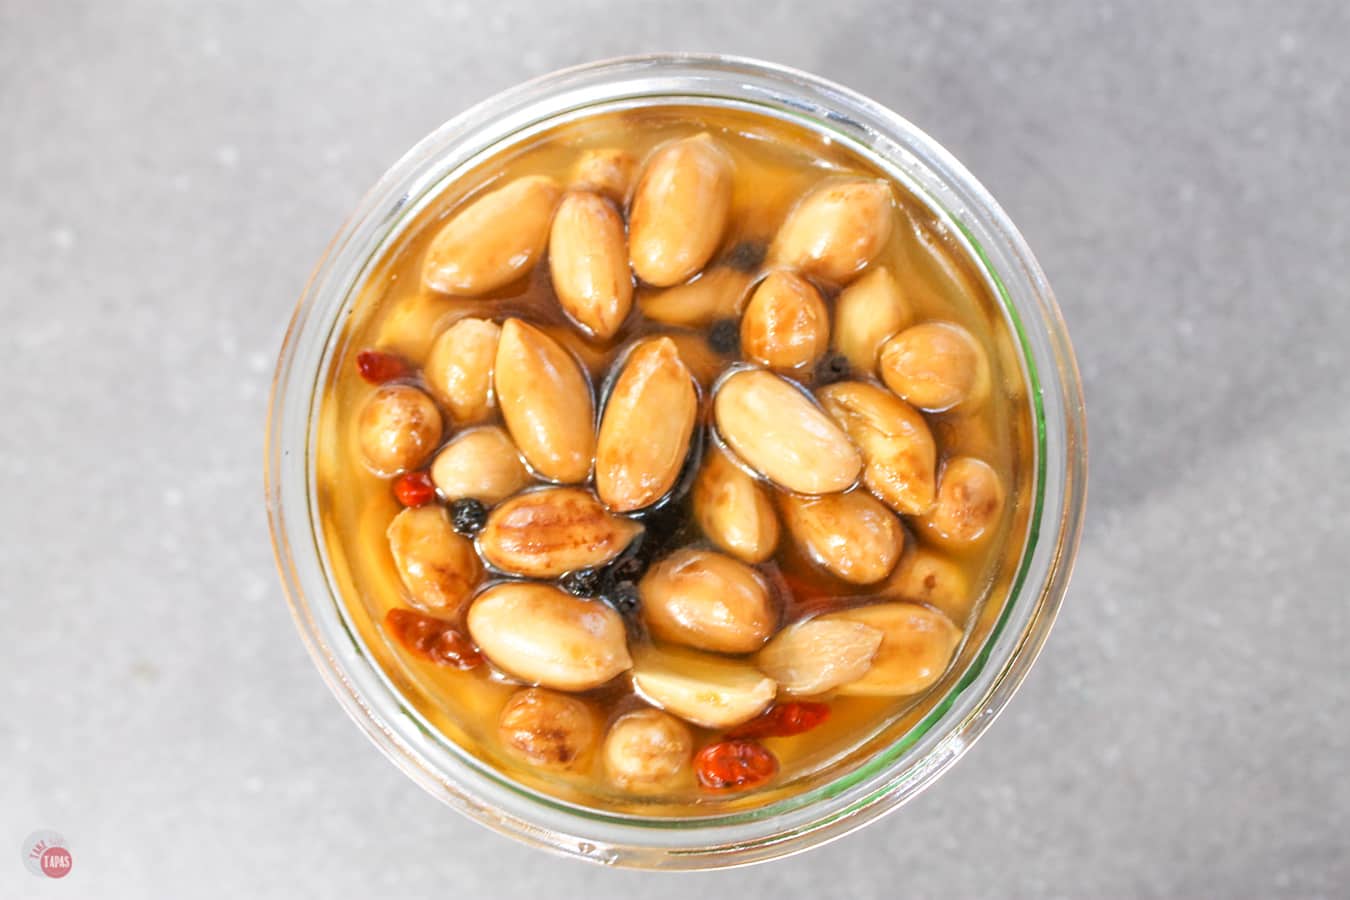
pixel 47 855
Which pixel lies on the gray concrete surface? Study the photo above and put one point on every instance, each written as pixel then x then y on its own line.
pixel 170 171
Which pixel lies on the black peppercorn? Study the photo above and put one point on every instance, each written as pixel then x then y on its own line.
pixel 746 256
pixel 581 582
pixel 832 368
pixel 622 595
pixel 724 336
pixel 468 516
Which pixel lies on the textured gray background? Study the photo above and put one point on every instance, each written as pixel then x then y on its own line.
pixel 170 171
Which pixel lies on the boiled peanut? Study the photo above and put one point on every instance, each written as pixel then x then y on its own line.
pixel 782 435
pixel 716 294
pixel 680 210
pixel 547 729
pixel 544 533
pixel 896 443
pixel 916 647
pixel 607 171
pixel 706 690
pixel 734 510
pixel 935 366
pixel 646 427
pixel 482 463
pixel 786 325
pixel 707 601
pixel 438 567
pixel 818 655
pixel 836 229
pixel 588 259
pixel 867 313
pixel 969 502
pixel 398 428
pixel 539 634
pixel 494 240
pixel 647 749
pixel 459 368
pixel 853 535
pixel 926 576
pixel 546 402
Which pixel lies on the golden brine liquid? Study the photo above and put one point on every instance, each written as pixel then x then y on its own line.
pixel 775 164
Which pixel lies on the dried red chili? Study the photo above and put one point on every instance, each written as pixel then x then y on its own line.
pixel 378 367
pixel 432 638
pixel 414 489
pixel 733 765
pixel 784 720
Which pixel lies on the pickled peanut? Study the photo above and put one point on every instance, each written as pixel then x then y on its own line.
pixel 647 750
pixel 716 294
pixel 706 690
pixel 398 428
pixel 547 729
pixel 868 312
pixel 483 464
pixel 854 536
pixel 786 325
pixel 544 533
pixel 818 655
pixel 546 402
pixel 916 647
pixel 494 240
pixel 437 566
pixel 538 634
pixel 707 601
pixel 607 171
pixel 896 443
pixel 680 210
pixel 646 427
pixel 459 368
pixel 969 502
pixel 588 259
pixel 935 366
pixel 734 510
pixel 782 435
pixel 926 576
pixel 836 229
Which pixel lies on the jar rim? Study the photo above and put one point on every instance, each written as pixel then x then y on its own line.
pixel 893 774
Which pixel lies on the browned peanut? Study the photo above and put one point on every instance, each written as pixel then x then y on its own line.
pixel 646 427
pixel 969 502
pixel 459 368
pixel 786 325
pixel 544 533
pixel 716 294
pixel 818 655
pixel 707 601
pixel 608 171
pixel 588 259
pixel 494 240
pixel 896 443
pixel 916 647
pixel 680 210
pixel 438 567
pixel 546 728
pixel 708 690
pixel 483 464
pixel 782 435
pixel 853 535
pixel 926 576
pixel 935 366
pixel 647 749
pixel 734 510
pixel 866 314
pixel 836 229
pixel 539 634
pixel 398 428
pixel 546 402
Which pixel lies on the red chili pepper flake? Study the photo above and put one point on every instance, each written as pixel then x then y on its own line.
pixel 732 765
pixel 783 720
pixel 432 638
pixel 378 367
pixel 414 489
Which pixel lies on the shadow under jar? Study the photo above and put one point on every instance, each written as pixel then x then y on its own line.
pixel 682 384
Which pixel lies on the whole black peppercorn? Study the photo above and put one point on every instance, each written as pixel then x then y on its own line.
pixel 468 516
pixel 581 582
pixel 832 368
pixel 724 336
pixel 622 595
pixel 747 256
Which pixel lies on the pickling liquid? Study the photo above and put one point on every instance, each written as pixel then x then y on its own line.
pixel 775 164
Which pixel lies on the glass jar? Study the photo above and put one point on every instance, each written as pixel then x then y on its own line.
pixel 898 761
